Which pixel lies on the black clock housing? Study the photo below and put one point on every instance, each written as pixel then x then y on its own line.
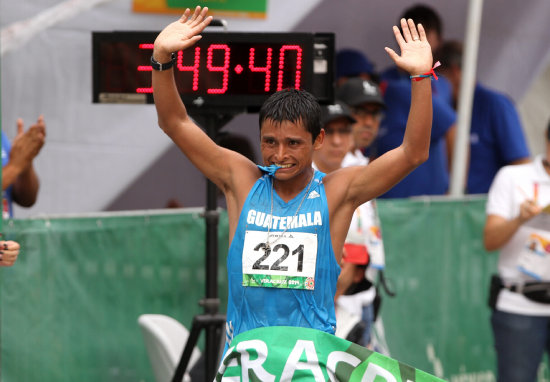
pixel 223 70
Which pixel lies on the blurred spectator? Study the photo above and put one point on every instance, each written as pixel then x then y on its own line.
pixel 337 121
pixel 518 224
pixel 433 25
pixel 352 63
pixel 368 112
pixel 19 180
pixel 356 297
pixel 496 135
pixel 367 106
pixel 389 112
pixel 432 177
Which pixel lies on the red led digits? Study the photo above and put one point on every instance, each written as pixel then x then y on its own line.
pixel 266 69
pixel 145 68
pixel 216 69
pixel 224 68
pixel 191 68
pixel 298 74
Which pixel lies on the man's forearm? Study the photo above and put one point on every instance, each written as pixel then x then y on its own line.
pixel 25 188
pixel 416 141
pixel 170 108
pixel 10 172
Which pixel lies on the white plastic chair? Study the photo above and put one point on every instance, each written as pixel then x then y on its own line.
pixel 348 325
pixel 165 339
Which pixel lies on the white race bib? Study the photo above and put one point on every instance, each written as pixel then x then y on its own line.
pixel 288 262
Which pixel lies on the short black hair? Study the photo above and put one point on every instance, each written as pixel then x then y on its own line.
pixel 295 106
pixel 548 132
pixel 425 15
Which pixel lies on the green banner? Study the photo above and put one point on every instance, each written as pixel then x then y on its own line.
pixel 69 306
pixel 284 353
pixel 231 8
pixel 221 5
pixel 439 320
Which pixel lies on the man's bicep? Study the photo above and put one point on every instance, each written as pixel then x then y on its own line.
pixel 243 172
pixel 379 176
pixel 495 232
pixel 210 159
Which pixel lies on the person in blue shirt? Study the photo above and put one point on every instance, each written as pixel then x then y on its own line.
pixel 351 63
pixel 496 135
pixel 385 121
pixel 288 222
pixel 431 177
pixel 382 119
pixel 433 25
pixel 20 182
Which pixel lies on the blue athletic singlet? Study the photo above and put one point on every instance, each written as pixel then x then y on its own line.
pixel 293 282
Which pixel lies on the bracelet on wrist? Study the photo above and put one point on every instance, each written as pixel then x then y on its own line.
pixel 163 66
pixel 431 73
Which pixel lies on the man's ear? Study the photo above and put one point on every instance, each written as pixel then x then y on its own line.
pixel 319 140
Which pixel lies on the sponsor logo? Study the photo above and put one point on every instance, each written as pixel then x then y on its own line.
pixel 313 194
pixel 265 220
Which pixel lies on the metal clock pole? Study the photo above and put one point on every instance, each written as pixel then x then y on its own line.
pixel 211 320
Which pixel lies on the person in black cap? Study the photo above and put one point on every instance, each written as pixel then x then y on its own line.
pixel 337 121
pixel 367 105
pixel 356 295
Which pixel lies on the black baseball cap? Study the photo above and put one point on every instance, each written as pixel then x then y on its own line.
pixel 337 110
pixel 357 91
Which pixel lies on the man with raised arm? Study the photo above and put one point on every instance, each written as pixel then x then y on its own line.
pixel 287 224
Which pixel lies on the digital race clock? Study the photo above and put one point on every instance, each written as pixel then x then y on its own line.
pixel 224 69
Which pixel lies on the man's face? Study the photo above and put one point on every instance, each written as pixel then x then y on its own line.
pixel 368 116
pixel 288 145
pixel 338 141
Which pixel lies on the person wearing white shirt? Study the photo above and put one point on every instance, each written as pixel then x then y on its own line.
pixel 518 225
